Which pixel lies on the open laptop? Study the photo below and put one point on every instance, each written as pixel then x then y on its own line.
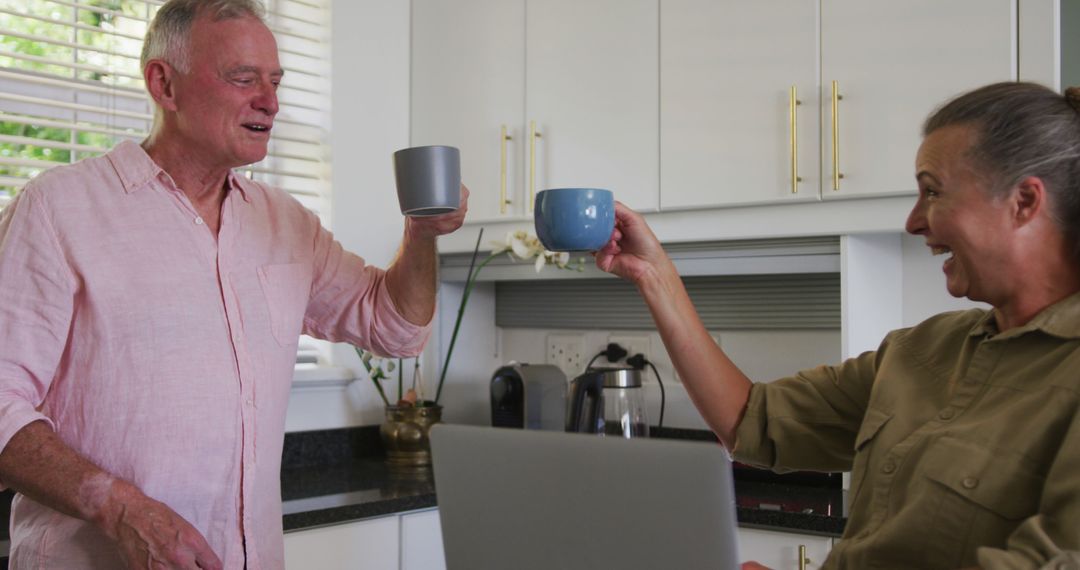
pixel 527 499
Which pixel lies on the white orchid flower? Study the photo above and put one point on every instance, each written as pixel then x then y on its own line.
pixel 540 259
pixel 560 259
pixel 520 248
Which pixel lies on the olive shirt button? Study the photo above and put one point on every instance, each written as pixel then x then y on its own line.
pixel 947 414
pixel 889 467
pixel 970 483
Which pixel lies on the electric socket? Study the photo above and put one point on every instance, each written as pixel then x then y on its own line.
pixel 634 344
pixel 567 352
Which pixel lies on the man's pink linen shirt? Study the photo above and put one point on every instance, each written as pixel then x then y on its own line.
pixel 165 355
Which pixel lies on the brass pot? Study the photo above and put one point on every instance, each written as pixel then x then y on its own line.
pixel 405 434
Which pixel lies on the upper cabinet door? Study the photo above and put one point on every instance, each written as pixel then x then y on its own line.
pixel 894 63
pixel 727 69
pixel 593 92
pixel 468 82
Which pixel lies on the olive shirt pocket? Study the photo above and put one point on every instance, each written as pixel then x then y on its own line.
pixel 287 288
pixel 978 492
pixel 872 423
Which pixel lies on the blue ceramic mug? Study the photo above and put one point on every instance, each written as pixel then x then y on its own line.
pixel 574 219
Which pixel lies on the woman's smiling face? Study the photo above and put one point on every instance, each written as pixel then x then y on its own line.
pixel 959 217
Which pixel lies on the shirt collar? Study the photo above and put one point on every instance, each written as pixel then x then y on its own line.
pixel 1062 319
pixel 135 169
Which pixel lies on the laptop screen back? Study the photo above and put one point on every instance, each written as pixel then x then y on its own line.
pixel 528 499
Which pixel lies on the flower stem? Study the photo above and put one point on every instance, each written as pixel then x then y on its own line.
pixel 457 323
pixel 374 380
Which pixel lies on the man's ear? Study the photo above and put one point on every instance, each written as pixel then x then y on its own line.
pixel 159 76
pixel 1029 199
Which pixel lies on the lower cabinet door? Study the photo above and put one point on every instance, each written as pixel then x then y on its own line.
pixel 421 541
pixel 369 544
pixel 780 550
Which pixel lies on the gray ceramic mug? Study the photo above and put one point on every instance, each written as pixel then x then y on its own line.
pixel 428 180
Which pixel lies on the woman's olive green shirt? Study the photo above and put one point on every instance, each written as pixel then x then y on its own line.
pixel 963 443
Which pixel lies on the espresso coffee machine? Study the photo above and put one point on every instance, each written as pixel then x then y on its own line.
pixel 530 396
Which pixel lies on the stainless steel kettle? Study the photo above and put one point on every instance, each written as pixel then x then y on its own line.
pixel 608 401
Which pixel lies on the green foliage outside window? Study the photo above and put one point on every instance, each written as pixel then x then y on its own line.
pixel 47 19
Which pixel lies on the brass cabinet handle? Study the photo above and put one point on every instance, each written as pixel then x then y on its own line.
pixel 836 97
pixel 503 137
pixel 533 135
pixel 794 103
pixel 803 560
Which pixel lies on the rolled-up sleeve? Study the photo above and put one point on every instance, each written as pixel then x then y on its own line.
pixel 350 303
pixel 35 315
pixel 807 421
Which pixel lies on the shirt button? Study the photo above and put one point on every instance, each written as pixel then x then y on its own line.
pixel 970 483
pixel 198 220
pixel 249 402
pixel 947 414
pixel 889 467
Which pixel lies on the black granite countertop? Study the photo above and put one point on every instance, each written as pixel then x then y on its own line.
pixel 336 476
pixel 361 488
pixel 315 494
pixel 365 488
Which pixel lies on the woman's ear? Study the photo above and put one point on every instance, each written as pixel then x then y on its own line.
pixel 1029 199
pixel 159 77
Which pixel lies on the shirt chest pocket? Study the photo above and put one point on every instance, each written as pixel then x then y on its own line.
pixel 287 288
pixel 872 424
pixel 1000 483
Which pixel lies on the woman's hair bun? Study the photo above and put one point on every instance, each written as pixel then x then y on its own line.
pixel 1072 95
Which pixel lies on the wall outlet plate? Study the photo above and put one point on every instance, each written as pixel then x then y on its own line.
pixel 567 352
pixel 633 343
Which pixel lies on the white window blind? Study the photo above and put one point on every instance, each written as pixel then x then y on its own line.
pixel 71 87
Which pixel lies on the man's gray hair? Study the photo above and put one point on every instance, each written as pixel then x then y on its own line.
pixel 169 32
pixel 1023 129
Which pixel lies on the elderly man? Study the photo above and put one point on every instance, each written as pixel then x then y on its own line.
pixel 154 302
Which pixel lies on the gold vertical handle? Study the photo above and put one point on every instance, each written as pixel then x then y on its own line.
pixel 533 135
pixel 836 97
pixel 503 137
pixel 793 99
pixel 803 560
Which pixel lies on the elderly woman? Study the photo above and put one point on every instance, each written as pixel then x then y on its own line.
pixel 962 433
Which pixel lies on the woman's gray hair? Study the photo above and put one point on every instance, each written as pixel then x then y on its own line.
pixel 168 34
pixel 1024 129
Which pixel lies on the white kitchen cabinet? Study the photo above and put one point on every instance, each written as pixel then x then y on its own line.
pixel 894 62
pixel 780 550
pixel 727 70
pixel 583 72
pixel 727 73
pixel 408 541
pixel 421 541
pixel 468 83
pixel 593 92
pixel 369 544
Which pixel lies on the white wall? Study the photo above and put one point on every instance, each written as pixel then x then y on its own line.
pixel 370 98
pixel 762 355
